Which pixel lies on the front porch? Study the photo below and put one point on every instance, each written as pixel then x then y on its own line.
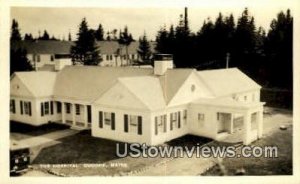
pixel 231 115
pixel 77 116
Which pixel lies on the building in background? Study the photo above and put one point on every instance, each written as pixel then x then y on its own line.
pixel 52 55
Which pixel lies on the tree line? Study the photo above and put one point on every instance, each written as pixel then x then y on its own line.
pixel 266 57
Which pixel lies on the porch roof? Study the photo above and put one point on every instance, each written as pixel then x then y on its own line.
pixel 227 102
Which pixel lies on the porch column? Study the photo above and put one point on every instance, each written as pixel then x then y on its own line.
pixel 231 124
pixel 259 117
pixel 247 128
pixel 85 116
pixel 63 111
pixel 73 114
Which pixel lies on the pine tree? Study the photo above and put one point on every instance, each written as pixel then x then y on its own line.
pixel 15 31
pixel 28 36
pixel 85 50
pixel 125 39
pixel 162 41
pixel 144 50
pixel 19 61
pixel 99 33
pixel 45 36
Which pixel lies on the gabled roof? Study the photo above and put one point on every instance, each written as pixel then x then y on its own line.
pixel 43 46
pixel 224 82
pixel 40 83
pixel 172 81
pixel 63 47
pixel 147 89
pixel 89 82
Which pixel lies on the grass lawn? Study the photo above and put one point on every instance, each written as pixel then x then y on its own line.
pixel 20 131
pixel 82 149
pixel 283 165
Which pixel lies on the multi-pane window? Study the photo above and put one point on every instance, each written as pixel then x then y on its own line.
pixel 174 120
pixel 111 57
pixel 38 58
pixel 52 57
pixel 58 107
pixel 201 119
pixel 107 119
pixel 26 108
pixel 46 106
pixel 133 124
pixel 160 124
pixel 68 108
pixel 107 57
pixel 12 106
pixel 77 108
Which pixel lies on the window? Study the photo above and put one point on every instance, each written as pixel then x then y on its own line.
pixel 245 98
pixel 111 57
pixel 33 57
pixel 107 57
pixel 52 58
pixel 160 124
pixel 58 105
pixel 201 119
pixel 12 106
pixel 174 120
pixel 46 106
pixel 107 119
pixel 185 116
pixel 132 56
pixel 27 108
pixel 77 108
pixel 68 108
pixel 38 58
pixel 133 124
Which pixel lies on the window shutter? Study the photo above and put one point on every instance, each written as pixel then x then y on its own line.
pixel 21 106
pixel 140 128
pixel 100 119
pixel 13 106
pixel 42 109
pixel 179 119
pixel 171 123
pixel 51 107
pixel 113 121
pixel 156 128
pixel 29 106
pixel 125 123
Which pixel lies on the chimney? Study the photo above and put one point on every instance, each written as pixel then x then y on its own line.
pixel 162 62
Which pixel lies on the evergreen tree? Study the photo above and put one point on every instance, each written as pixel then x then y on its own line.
pixel 99 33
pixel 85 50
pixel 45 36
pixel 279 51
pixel 124 40
pixel 161 41
pixel 28 36
pixel 19 61
pixel 144 49
pixel 15 31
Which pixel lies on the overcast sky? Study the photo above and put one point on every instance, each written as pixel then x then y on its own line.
pixel 59 21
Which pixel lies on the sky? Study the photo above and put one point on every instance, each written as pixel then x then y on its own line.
pixel 60 21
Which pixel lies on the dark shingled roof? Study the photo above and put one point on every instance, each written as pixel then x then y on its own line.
pixel 63 47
